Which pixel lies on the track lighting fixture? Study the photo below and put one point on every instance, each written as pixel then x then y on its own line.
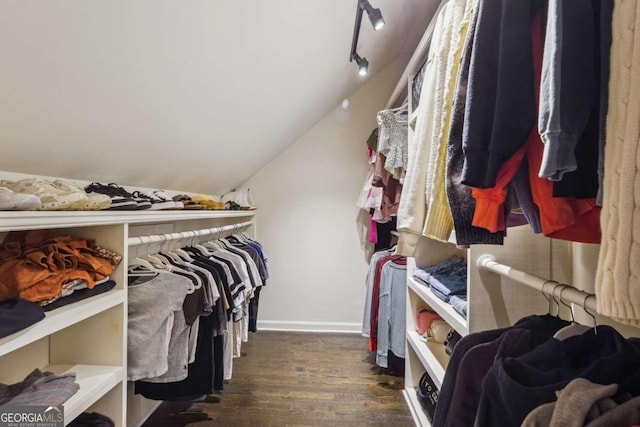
pixel 363 64
pixel 375 16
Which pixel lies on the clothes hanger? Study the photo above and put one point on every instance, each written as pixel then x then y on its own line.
pixel 553 296
pixel 199 247
pixel 154 259
pixel 145 265
pixel 167 252
pixel 215 244
pixel 570 330
pixel 138 266
pixel 545 296
pixel 584 307
pixel 183 254
pixel 404 106
pixel 181 267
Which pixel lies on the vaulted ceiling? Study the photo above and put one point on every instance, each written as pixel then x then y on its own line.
pixel 195 95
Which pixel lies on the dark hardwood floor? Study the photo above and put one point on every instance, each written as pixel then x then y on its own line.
pixel 298 379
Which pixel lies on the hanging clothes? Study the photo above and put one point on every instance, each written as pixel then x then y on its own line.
pixel 513 387
pixel 474 355
pixel 617 277
pixel 210 288
pixel 412 207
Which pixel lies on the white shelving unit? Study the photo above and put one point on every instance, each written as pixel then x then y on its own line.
pixel 492 301
pixel 431 355
pixel 94 381
pixel 411 397
pixel 89 337
pixel 446 311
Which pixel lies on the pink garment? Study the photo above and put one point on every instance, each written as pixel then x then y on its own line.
pixel 373 231
pixel 392 189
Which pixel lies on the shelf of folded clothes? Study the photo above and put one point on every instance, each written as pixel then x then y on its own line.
pixel 94 381
pixel 417 412
pixel 61 318
pixel 445 310
pixel 432 355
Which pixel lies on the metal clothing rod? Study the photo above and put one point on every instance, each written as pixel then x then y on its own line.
pixel 569 294
pixel 157 238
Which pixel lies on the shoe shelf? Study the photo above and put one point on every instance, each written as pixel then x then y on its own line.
pixel 417 413
pixel 431 354
pixel 446 311
pixel 30 220
pixel 95 381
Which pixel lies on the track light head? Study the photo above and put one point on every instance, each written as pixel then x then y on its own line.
pixel 375 15
pixel 363 64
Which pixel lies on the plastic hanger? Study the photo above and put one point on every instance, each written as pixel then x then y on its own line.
pixel 553 297
pixel 545 296
pixel 215 244
pixel 145 264
pixel 199 247
pixel 183 254
pixel 584 307
pixel 403 107
pixel 570 330
pixel 167 252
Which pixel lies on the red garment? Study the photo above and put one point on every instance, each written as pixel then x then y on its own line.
pixel 565 218
pixel 375 296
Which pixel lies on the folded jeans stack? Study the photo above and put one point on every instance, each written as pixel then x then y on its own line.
pixel 445 279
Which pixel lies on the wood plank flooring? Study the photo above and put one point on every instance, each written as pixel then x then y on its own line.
pixel 298 379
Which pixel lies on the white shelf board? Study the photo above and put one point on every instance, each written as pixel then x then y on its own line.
pixel 432 356
pixel 61 318
pixel 29 220
pixel 95 381
pixel 417 413
pixel 446 311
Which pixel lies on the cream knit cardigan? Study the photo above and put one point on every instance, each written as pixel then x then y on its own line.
pixel 439 222
pixel 618 275
pixel 412 209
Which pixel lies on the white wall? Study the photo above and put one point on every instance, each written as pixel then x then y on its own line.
pixel 307 218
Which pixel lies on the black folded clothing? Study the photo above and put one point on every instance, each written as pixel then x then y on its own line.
pixel 17 314
pixel 428 395
pixel 81 294
pixel 92 419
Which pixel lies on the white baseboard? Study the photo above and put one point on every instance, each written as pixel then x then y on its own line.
pixel 302 326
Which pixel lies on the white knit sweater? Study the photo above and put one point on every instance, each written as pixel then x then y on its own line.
pixel 618 275
pixel 412 208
